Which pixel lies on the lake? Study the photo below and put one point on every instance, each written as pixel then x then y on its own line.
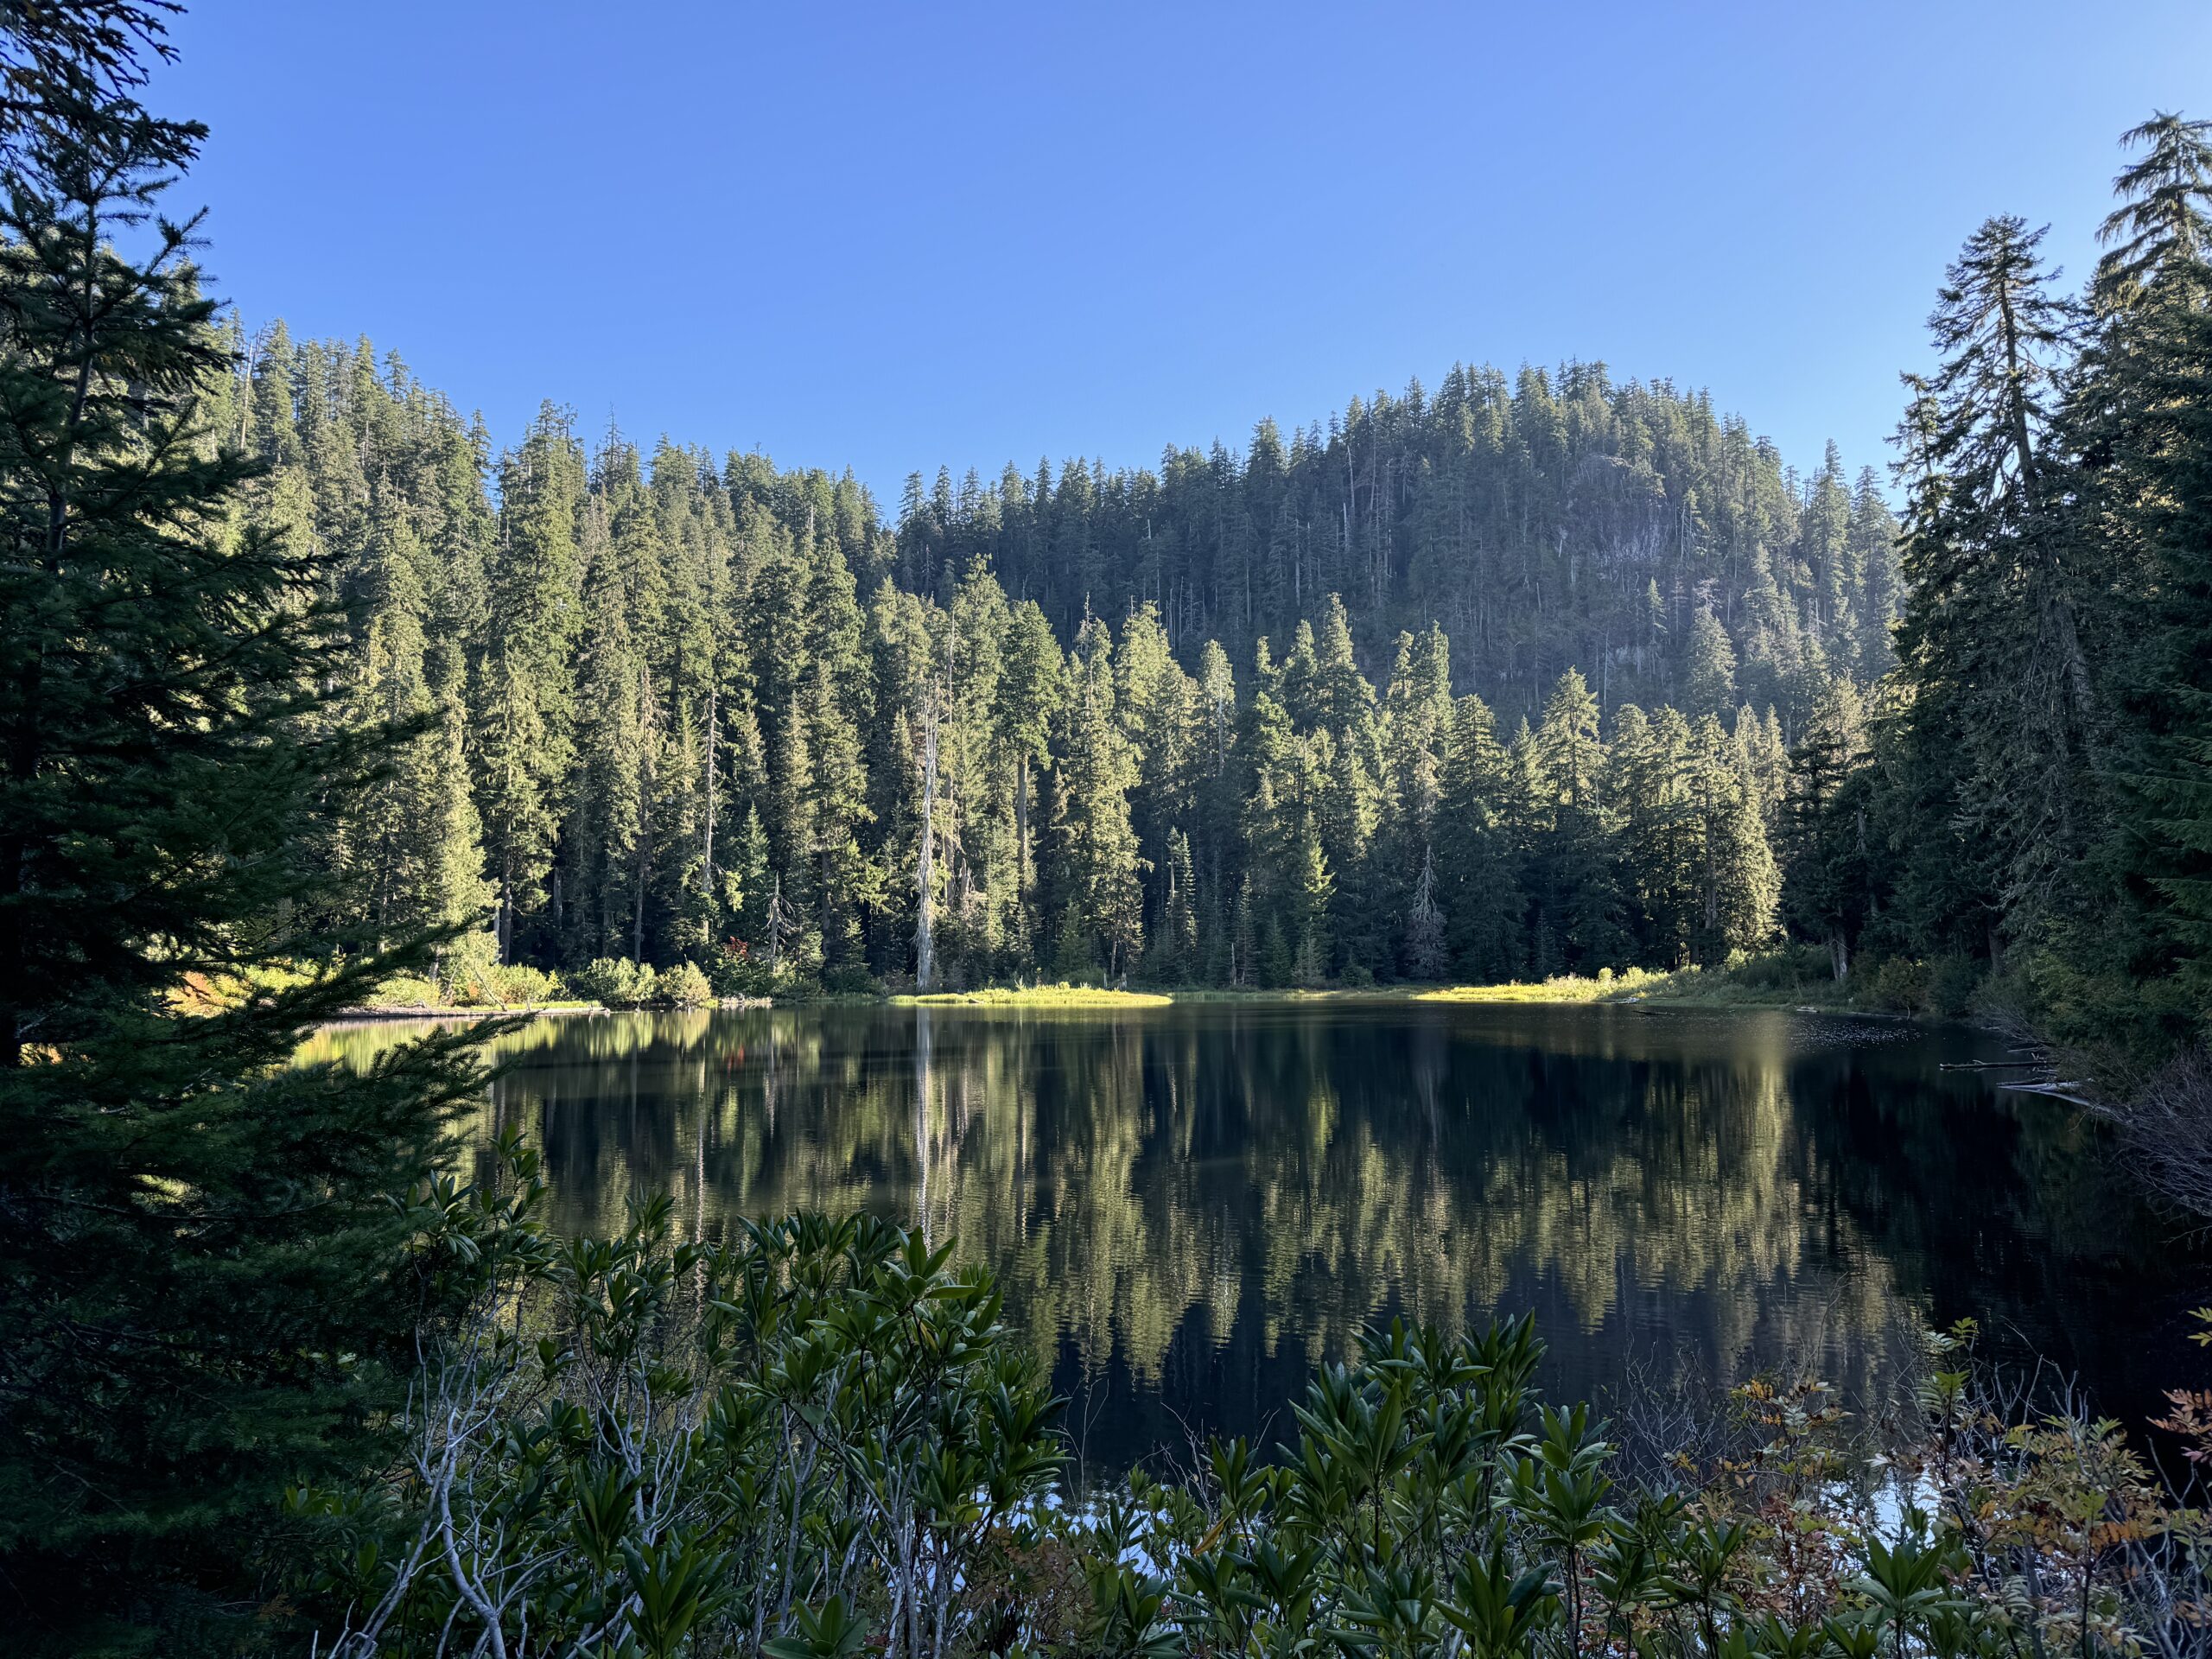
pixel 1190 1206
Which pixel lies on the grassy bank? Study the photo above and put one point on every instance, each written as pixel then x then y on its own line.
pixel 1791 978
pixel 1039 997
pixel 1744 987
pixel 1779 981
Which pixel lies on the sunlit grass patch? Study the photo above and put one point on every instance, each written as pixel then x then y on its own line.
pixel 1039 997
pixel 1604 986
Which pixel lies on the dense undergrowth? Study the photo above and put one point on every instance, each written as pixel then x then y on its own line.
pixel 816 1439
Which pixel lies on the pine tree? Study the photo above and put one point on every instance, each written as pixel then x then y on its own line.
pixel 2002 699
pixel 1482 896
pixel 1740 882
pixel 925 861
pixel 1426 957
pixel 745 884
pixel 1099 868
pixel 1348 814
pixel 847 881
pixel 1158 710
pixel 525 722
pixel 2139 402
pixel 603 845
pixel 794 835
pixel 206 1289
pixel 1036 693
pixel 2161 224
pixel 1826 837
pixel 1648 772
pixel 1873 543
pixel 1312 884
pixel 1417 720
pixel 1709 674
pixel 1573 872
pixel 1175 943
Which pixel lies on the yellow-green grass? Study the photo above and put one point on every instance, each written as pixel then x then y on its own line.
pixel 1604 987
pixel 1039 997
pixel 1684 988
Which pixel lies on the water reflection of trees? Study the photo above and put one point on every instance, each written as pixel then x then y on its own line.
pixel 1203 1202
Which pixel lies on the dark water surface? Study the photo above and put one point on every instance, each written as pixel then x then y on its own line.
pixel 1190 1206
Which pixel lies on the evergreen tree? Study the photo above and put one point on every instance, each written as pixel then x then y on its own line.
pixel 1709 676
pixel 2139 417
pixel 1036 693
pixel 1480 880
pixel 608 794
pixel 795 836
pixel 206 1287
pixel 1100 869
pixel 2002 699
pixel 1175 944
pixel 745 886
pixel 525 724
pixel 846 880
pixel 1738 879
pixel 1312 885
pixel 1572 877
pixel 1426 957
pixel 1348 814
pixel 1873 536
pixel 2160 226
pixel 605 846
pixel 1826 841
pixel 1649 774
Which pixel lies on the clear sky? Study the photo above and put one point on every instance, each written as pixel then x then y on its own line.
pixel 889 237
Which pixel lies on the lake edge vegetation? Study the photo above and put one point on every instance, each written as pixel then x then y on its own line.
pixel 815 1438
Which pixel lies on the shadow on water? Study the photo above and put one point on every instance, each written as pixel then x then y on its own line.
pixel 1190 1206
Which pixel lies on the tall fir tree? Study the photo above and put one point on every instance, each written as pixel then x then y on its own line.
pixel 525 722
pixel 1099 867
pixel 207 1282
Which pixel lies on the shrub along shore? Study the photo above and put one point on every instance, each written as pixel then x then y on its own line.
pixel 816 1438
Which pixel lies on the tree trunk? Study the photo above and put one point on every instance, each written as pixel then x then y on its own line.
pixel 1021 830
pixel 706 852
pixel 925 863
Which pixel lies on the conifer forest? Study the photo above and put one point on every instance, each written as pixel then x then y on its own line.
pixel 1524 675
pixel 377 1280
pixel 1498 682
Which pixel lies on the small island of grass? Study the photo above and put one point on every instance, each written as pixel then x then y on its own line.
pixel 1037 997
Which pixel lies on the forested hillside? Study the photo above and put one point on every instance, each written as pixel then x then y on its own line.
pixel 1552 522
pixel 683 707
pixel 1501 682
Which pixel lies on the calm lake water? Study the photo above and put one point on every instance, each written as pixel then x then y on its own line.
pixel 1190 1206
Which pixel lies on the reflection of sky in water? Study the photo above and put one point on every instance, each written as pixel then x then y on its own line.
pixel 1189 1206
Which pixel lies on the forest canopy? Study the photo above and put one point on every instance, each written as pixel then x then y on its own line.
pixel 1496 682
pixel 1529 674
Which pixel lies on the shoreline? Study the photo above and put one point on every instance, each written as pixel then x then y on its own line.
pixel 1650 995
pixel 373 1015
pixel 1641 992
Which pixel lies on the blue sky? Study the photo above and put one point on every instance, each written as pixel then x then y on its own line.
pixel 886 237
